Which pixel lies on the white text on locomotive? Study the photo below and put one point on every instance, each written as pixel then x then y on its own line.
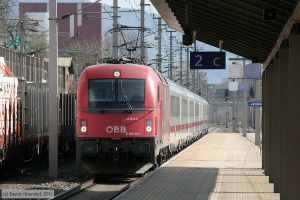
pixel 115 129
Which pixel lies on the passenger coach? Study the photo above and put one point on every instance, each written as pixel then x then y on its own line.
pixel 129 115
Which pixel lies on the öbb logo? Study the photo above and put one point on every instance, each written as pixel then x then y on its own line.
pixel 115 129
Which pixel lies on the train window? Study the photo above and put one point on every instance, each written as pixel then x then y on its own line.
pixel 175 106
pixel 101 90
pixel 133 89
pixel 197 109
pixel 184 107
pixel 201 110
pixel 112 94
pixel 191 108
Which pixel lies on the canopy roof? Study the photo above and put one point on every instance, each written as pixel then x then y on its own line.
pixel 238 23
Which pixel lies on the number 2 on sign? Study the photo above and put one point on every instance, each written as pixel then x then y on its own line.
pixel 198 63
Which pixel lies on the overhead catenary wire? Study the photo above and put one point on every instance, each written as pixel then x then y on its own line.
pixel 78 10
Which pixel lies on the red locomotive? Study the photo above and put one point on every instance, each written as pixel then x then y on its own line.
pixel 129 115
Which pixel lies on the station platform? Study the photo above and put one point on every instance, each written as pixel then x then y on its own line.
pixel 219 166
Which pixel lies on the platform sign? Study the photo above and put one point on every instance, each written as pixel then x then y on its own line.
pixel 254 103
pixel 233 86
pixel 244 86
pixel 236 71
pixel 252 71
pixel 207 60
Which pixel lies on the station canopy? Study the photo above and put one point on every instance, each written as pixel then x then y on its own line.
pixel 238 23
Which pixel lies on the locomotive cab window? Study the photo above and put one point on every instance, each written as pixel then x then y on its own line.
pixel 116 94
pixel 101 91
pixel 131 90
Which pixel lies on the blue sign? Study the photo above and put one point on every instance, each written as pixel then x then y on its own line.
pixel 244 86
pixel 207 60
pixel 254 103
pixel 252 71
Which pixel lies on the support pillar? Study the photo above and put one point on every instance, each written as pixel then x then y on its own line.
pixel 273 122
pixel 263 119
pixel 257 114
pixel 284 128
pixel 266 134
pixel 270 121
pixel 53 90
pixel 276 124
pixel 245 113
pixel 294 62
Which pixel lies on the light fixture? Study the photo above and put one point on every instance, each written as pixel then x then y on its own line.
pixel 149 126
pixel 83 128
pixel 117 73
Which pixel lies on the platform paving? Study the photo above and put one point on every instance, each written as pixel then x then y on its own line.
pixel 219 166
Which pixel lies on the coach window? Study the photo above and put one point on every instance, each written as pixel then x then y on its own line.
pixel 201 110
pixel 184 107
pixel 197 109
pixel 174 106
pixel 191 108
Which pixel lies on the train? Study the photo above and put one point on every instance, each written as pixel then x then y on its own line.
pixel 25 142
pixel 129 115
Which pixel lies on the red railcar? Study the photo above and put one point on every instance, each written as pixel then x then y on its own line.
pixel 129 115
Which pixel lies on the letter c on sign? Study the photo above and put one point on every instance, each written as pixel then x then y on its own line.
pixel 215 62
pixel 109 129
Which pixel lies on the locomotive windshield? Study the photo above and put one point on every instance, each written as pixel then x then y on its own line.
pixel 116 95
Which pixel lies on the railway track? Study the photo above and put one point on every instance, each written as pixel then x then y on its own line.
pixel 105 189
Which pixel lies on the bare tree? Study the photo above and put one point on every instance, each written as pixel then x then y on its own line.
pixel 6 7
pixel 92 51
pixel 84 54
pixel 8 27
pixel 36 41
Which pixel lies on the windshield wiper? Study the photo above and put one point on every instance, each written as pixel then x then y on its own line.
pixel 126 98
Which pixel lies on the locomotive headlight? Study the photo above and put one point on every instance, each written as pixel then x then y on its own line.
pixel 149 126
pixel 148 129
pixel 83 128
pixel 117 73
